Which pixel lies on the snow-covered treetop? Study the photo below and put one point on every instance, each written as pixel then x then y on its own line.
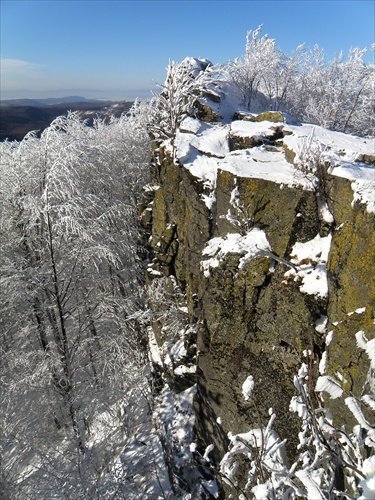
pixel 337 94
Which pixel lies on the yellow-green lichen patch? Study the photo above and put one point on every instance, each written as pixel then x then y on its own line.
pixel 270 116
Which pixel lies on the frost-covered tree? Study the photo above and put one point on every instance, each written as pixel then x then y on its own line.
pixel 337 94
pixel 73 370
pixel 279 77
pixel 185 81
pixel 247 73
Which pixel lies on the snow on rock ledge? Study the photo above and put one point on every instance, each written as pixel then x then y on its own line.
pixel 349 157
pixel 273 147
pixel 311 260
pixel 253 244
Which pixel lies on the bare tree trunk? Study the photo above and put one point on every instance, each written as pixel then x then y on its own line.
pixel 63 346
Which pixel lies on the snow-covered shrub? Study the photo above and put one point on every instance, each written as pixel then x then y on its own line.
pixel 312 159
pixel 337 94
pixel 185 81
pixel 246 73
pixel 332 462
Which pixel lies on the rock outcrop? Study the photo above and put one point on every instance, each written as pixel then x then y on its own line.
pixel 260 260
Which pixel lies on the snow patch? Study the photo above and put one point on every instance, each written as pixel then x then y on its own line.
pixel 363 185
pixel 183 369
pixel 209 200
pixel 263 163
pixel 247 388
pixel 154 352
pixel 203 167
pixel 330 385
pixel 208 450
pixel 260 491
pixel 349 146
pixel 321 323
pixel 360 310
pixel 366 345
pixel 368 484
pixel 252 245
pixel 213 141
pixel 323 363
pixel 329 337
pixel 257 130
pixel 311 261
pixel 178 350
pixel 192 125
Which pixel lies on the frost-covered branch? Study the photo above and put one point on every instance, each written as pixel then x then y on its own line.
pixel 331 462
pixel 184 83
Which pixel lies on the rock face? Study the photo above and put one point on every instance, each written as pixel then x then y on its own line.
pixel 255 312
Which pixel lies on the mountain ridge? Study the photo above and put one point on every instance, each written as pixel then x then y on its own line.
pixel 51 101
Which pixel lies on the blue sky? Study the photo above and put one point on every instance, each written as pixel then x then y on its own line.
pixel 118 49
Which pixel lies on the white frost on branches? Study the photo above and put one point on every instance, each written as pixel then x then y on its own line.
pixel 337 94
pixel 184 83
pixel 325 451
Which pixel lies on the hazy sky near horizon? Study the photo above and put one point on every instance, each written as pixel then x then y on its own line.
pixel 118 49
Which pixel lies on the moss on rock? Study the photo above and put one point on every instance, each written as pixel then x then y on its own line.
pixel 270 116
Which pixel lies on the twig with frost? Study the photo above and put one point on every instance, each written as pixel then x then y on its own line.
pixel 312 161
pixel 330 458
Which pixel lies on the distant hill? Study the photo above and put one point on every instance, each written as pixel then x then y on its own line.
pixel 52 101
pixel 20 116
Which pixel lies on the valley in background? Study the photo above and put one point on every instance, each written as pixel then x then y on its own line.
pixel 20 116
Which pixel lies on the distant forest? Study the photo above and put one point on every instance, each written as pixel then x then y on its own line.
pixel 16 120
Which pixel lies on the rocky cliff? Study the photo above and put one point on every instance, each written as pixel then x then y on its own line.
pixel 261 243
